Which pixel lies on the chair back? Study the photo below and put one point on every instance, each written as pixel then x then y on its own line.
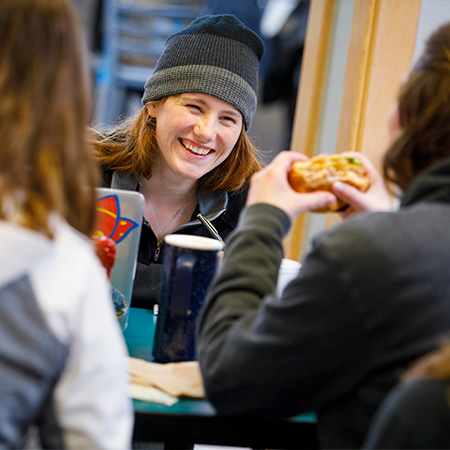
pixel 414 415
pixel 134 35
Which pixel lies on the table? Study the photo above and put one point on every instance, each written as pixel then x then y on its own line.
pixel 192 421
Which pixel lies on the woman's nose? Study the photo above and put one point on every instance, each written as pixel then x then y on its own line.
pixel 205 128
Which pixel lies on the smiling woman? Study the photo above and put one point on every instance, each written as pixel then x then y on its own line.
pixel 196 133
pixel 187 149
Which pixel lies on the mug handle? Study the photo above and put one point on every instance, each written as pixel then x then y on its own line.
pixel 183 283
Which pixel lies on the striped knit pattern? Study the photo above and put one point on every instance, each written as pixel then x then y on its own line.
pixel 215 55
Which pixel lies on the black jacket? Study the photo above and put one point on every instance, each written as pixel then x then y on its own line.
pixel 221 208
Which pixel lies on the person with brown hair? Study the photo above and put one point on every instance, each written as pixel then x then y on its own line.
pixel 62 356
pixel 187 150
pixel 372 293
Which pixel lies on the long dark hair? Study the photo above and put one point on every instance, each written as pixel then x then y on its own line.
pixel 45 165
pixel 424 113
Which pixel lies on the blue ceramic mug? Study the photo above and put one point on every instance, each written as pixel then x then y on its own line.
pixel 190 263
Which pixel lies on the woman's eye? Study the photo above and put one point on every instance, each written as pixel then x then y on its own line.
pixel 229 119
pixel 194 107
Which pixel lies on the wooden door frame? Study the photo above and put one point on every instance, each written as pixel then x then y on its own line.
pixel 381 48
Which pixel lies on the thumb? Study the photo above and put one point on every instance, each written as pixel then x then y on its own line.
pixel 314 200
pixel 349 194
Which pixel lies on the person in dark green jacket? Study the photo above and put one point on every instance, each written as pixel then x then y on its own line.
pixel 372 294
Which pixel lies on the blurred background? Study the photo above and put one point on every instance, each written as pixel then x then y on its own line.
pixel 125 38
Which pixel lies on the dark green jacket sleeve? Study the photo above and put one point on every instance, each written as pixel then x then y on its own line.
pixel 263 355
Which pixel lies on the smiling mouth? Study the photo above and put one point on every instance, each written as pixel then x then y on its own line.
pixel 202 151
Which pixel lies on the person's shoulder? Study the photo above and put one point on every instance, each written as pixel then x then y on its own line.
pixel 74 247
pixel 21 249
pixel 69 269
pixel 67 248
pixel 68 235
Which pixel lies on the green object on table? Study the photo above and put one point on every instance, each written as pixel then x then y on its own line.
pixel 139 336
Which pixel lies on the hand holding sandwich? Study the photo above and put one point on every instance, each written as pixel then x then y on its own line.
pixel 363 188
pixel 374 199
pixel 271 186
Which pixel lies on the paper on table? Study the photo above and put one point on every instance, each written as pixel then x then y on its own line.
pixel 182 379
pixel 151 394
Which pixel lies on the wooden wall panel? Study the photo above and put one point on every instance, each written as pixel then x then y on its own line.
pixel 382 42
pixel 310 94
pixel 392 48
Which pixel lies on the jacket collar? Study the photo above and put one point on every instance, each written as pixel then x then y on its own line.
pixel 431 186
pixel 211 203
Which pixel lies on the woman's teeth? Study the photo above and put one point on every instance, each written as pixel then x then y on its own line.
pixel 194 149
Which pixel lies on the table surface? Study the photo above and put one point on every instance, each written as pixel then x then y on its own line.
pixel 192 421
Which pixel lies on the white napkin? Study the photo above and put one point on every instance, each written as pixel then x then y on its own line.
pixel 182 379
pixel 151 394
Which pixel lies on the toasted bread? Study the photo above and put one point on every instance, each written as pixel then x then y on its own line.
pixel 320 172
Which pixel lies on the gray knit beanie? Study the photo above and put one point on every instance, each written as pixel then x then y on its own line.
pixel 215 55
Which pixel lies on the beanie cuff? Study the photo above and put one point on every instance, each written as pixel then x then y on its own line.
pixel 205 79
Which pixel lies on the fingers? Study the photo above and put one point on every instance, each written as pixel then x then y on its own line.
pixel 275 173
pixel 349 194
pixel 271 186
pixel 375 199
pixel 313 201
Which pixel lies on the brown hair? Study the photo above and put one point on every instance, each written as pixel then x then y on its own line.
pixel 424 113
pixel 433 365
pixel 45 166
pixel 131 148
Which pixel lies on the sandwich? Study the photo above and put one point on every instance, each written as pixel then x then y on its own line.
pixel 320 172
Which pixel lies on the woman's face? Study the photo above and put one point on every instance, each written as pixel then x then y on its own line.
pixel 195 133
